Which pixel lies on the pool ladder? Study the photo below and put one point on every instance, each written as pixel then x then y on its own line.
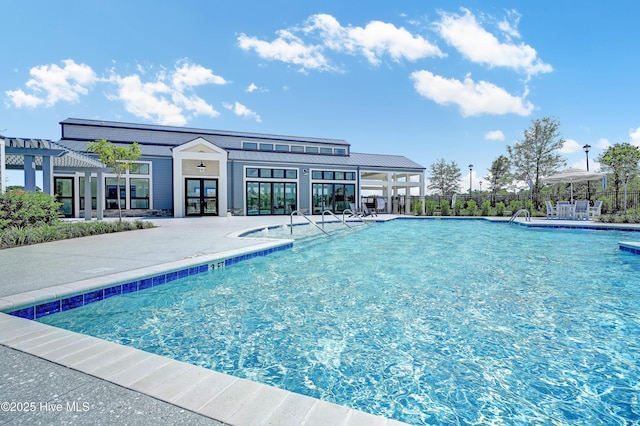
pixel 527 215
pixel 299 213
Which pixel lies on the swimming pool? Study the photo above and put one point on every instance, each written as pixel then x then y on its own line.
pixel 423 321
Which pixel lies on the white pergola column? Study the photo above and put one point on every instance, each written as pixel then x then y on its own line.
pixel 100 195
pixel 29 173
pixel 87 195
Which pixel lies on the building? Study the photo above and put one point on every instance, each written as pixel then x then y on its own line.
pixel 199 172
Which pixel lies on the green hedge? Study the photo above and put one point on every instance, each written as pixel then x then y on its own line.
pixel 23 209
pixel 15 236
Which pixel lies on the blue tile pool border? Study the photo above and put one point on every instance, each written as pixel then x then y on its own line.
pixel 39 310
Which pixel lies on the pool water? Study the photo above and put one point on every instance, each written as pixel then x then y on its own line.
pixel 426 322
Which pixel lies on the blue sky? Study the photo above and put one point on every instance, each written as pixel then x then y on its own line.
pixel 425 79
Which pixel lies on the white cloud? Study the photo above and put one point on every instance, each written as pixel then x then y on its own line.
pixel 508 28
pixel 168 99
pixel 50 84
pixel 635 136
pixel 253 88
pixel 473 98
pixel 373 41
pixel 190 75
pixel 570 146
pixel 477 44
pixel 287 48
pixel 494 135
pixel 242 111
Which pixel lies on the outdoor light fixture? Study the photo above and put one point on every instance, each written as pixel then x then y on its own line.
pixel 586 151
pixel 201 167
pixel 470 175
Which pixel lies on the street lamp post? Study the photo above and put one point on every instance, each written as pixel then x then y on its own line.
pixel 470 184
pixel 586 151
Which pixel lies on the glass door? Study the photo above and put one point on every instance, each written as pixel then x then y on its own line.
pixel 64 194
pixel 201 197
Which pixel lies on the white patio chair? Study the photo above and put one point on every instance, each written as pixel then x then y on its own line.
pixel 552 212
pixel 581 210
pixel 595 210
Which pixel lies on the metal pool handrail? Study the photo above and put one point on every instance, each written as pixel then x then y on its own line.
pixel 299 213
pixel 527 215
pixel 331 213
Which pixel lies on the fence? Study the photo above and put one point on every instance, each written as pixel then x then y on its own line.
pixel 612 201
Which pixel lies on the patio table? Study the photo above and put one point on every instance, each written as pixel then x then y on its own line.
pixel 565 211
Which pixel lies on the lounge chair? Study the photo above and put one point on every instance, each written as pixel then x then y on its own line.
pixel 380 205
pixel 552 212
pixel 581 210
pixel 354 210
pixel 367 212
pixel 595 210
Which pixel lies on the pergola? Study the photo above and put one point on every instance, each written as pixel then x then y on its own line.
pixel 42 154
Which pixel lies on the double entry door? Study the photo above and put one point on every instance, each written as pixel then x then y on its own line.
pixel 201 197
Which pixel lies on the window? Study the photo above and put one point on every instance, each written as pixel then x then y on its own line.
pixel 139 192
pixel 340 151
pixel 332 175
pixel 253 172
pixel 111 196
pixel 266 147
pixel 265 173
pixel 297 148
pixel 291 174
pixel 282 148
pixel 312 149
pixel 332 196
pixel 249 145
pixel 326 151
pixel 271 198
pixel 139 169
pixel 94 193
pixel 278 173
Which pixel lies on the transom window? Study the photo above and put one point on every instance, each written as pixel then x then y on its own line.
pixel 271 173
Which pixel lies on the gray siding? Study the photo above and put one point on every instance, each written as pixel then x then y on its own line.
pixel 162 182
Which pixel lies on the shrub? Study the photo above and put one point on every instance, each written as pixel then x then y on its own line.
pixel 515 205
pixel 457 208
pixel 416 206
pixel 429 207
pixel 500 207
pixel 22 209
pixel 472 207
pixel 485 208
pixel 18 236
pixel 444 208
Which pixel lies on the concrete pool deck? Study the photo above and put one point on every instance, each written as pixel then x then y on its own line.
pixel 54 376
pixel 60 371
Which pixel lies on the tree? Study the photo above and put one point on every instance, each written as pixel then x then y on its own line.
pixel 621 160
pixel 118 158
pixel 499 175
pixel 535 156
pixel 444 177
